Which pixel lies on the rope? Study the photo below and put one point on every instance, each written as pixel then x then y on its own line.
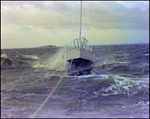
pixel 44 102
pixel 70 34
pixel 90 20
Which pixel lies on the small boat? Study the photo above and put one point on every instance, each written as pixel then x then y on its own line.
pixel 79 54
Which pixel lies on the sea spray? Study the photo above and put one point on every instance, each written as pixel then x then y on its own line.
pixel 56 62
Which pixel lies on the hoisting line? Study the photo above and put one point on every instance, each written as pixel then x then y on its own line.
pixel 41 106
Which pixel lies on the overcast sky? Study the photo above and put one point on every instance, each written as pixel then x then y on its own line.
pixel 37 23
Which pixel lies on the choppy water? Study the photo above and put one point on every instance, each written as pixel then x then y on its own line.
pixel 118 86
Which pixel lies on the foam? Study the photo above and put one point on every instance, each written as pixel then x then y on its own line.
pixel 125 85
pixel 85 76
pixel 30 56
pixel 147 54
pixel 144 105
pixel 4 58
pixel 39 64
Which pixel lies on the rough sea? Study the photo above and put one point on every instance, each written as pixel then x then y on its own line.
pixel 118 86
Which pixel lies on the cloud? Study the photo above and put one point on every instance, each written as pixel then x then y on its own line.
pixel 120 17
pixel 56 19
pixel 27 15
pixel 53 15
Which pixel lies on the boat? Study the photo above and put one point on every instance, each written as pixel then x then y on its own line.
pixel 79 54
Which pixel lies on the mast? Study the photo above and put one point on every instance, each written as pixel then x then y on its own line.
pixel 80 19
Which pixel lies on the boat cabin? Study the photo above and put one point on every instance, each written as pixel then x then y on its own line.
pixel 78 43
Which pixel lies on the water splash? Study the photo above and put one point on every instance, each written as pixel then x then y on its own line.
pixel 56 62
pixel 5 60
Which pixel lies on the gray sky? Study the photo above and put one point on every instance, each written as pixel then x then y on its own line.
pixel 37 23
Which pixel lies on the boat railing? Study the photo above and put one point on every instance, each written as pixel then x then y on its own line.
pixel 69 48
pixel 78 43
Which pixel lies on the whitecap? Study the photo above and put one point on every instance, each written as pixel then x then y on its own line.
pixel 39 64
pixel 30 57
pixel 147 54
pixel 125 85
pixel 5 58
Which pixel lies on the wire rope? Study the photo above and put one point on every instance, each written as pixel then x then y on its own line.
pixel 48 97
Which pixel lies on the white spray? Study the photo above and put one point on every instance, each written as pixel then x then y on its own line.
pixel 56 62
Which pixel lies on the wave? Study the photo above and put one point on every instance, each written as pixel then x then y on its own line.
pixel 7 63
pixel 133 68
pixel 147 54
pixel 99 86
pixel 84 76
pixel 102 86
pixel 26 57
pixel 121 68
pixel 125 86
pixel 56 62
pixel 39 64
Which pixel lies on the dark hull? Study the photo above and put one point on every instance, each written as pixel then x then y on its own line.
pixel 79 67
pixel 80 62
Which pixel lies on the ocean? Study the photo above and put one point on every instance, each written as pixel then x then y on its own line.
pixel 118 86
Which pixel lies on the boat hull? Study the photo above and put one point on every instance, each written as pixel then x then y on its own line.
pixel 79 54
pixel 81 60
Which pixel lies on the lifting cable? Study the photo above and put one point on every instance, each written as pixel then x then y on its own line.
pixel 44 102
